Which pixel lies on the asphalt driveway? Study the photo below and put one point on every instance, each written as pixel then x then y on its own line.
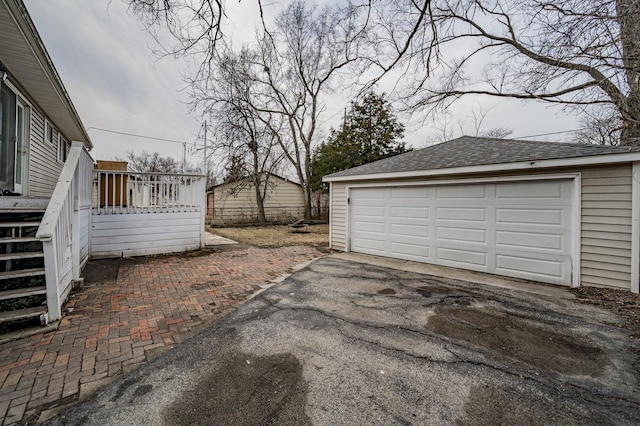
pixel 342 342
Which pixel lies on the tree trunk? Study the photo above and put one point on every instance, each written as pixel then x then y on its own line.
pixel 630 135
pixel 257 184
pixel 307 200
pixel 628 13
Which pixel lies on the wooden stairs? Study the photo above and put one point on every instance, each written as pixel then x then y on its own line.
pixel 23 292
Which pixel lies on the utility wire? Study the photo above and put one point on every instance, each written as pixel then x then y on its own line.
pixel 548 134
pixel 134 135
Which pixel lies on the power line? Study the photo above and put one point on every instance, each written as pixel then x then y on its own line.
pixel 134 135
pixel 548 134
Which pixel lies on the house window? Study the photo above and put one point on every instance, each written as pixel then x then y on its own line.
pixel 48 131
pixel 62 149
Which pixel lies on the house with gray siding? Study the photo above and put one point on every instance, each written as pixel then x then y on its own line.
pixel 558 213
pixel 44 239
pixel 48 226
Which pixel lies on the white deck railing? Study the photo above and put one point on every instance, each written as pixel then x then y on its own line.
pixel 60 230
pixel 121 192
pixel 136 214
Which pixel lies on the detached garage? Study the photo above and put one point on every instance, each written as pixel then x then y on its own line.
pixel 550 212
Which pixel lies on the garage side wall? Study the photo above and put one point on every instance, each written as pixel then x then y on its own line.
pixel 606 227
pixel 337 221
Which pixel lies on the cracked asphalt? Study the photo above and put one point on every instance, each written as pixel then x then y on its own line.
pixel 341 342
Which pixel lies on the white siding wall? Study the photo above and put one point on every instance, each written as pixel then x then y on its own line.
pixel 44 167
pixel 606 226
pixel 142 234
pixel 337 220
pixel 284 201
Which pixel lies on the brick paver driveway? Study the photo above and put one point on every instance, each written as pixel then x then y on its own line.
pixel 116 324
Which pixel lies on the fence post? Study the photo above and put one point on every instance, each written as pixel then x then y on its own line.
pixel 51 278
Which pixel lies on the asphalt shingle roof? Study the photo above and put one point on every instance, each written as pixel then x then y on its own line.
pixel 476 151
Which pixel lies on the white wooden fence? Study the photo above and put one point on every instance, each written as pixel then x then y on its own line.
pixel 146 213
pixel 64 230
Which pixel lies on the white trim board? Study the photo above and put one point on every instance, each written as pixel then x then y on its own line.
pixel 635 227
pixel 330 216
pixel 463 181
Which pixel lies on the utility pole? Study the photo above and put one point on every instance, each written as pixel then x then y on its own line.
pixel 184 156
pixel 206 171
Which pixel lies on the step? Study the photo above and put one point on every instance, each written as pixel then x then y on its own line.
pixel 18 224
pixel 27 332
pixel 23 273
pixel 23 204
pixel 22 314
pixel 22 292
pixel 21 255
pixel 10 240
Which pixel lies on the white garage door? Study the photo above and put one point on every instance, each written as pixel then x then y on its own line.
pixel 518 229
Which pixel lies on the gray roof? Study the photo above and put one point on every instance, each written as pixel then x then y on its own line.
pixel 477 151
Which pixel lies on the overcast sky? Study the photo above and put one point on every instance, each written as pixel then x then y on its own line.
pixel 104 57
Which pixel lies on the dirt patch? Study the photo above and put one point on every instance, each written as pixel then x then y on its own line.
pixel 246 390
pixel 100 271
pixel 523 339
pixel 620 302
pixel 277 236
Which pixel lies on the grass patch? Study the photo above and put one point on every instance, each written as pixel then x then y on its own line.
pixel 276 236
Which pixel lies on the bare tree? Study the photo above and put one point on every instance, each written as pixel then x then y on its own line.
pixel 601 127
pixel 472 125
pixel 497 132
pixel 194 27
pixel 296 64
pixel 151 162
pixel 248 146
pixel 571 52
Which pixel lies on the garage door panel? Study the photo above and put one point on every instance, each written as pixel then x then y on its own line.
pixel 407 230
pixel 369 194
pixel 529 190
pixel 518 229
pixel 417 251
pixel 368 245
pixel 411 193
pixel 363 211
pixel 461 192
pixel 525 216
pixel 462 234
pixel 365 226
pixel 461 214
pixel 410 212
pixel 461 256
pixel 527 240
pixel 526 266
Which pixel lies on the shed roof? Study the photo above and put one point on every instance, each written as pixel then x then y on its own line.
pixel 247 178
pixel 468 151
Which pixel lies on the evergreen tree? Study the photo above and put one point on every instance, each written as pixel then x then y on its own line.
pixel 370 132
